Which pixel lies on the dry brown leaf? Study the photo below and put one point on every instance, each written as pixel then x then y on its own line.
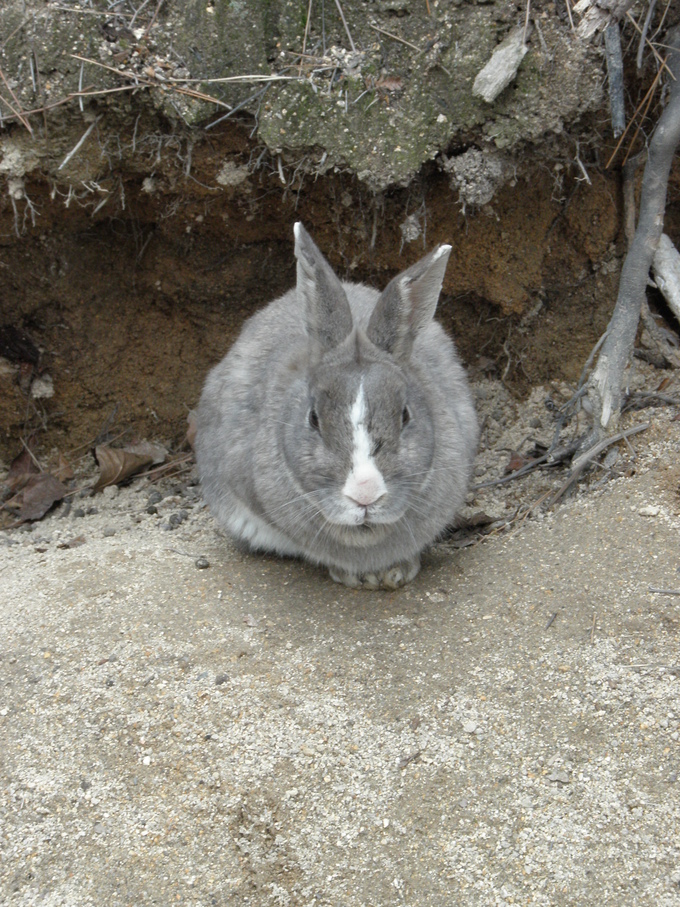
pixel 389 83
pixel 516 461
pixel 21 468
pixel 117 465
pixel 64 470
pixel 37 496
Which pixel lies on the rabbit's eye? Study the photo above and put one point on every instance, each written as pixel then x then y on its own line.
pixel 405 416
pixel 314 419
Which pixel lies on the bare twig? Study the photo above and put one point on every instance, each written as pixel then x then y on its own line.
pixel 664 591
pixel 605 385
pixel 582 168
pixel 660 60
pixel 617 105
pixel 526 22
pixel 304 40
pixel 18 113
pixel 645 102
pixel 256 77
pixel 394 37
pixel 80 143
pixel 137 12
pixel 645 29
pixel 152 22
pixel 91 12
pixel 150 83
pixel 581 462
pixel 344 22
pixel 662 21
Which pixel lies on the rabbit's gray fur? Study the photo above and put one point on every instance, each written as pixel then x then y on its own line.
pixel 340 427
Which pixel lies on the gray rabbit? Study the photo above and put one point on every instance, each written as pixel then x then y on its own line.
pixel 340 427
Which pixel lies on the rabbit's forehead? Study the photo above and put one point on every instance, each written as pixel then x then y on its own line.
pixel 374 389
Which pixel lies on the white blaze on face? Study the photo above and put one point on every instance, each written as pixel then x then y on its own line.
pixel 365 483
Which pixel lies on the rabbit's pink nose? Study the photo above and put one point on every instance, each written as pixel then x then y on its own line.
pixel 364 487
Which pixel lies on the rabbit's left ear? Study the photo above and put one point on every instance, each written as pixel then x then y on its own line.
pixel 407 304
pixel 328 317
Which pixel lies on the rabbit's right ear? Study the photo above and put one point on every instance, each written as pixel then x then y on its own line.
pixel 328 317
pixel 407 304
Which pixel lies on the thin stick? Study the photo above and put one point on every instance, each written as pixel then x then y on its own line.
pixel 645 29
pixel 33 457
pixel 590 455
pixel 13 33
pixel 344 22
pixel 18 113
pixel 79 144
pixel 137 12
pixel 551 621
pixel 526 22
pixel 92 12
pixel 664 591
pixel 663 19
pixel 662 63
pixel 647 99
pixel 592 630
pixel 153 18
pixel 119 72
pixel 571 18
pixel 149 83
pixel 251 78
pixel 127 74
pixel 236 109
pixel 304 40
pixel 581 462
pixel 394 37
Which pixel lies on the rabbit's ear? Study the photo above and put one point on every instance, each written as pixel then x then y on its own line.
pixel 407 304
pixel 328 317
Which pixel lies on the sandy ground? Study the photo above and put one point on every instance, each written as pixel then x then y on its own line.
pixel 505 730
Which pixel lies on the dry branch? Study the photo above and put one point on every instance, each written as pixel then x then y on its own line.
pixel 666 267
pixel 604 390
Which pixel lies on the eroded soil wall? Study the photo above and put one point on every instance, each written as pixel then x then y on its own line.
pixel 131 290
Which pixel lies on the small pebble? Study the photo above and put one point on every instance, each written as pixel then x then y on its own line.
pixel 202 563
pixel 155 497
pixel 78 512
pixel 152 509
pixel 220 679
pixel 108 532
pixel 559 774
pixel 611 458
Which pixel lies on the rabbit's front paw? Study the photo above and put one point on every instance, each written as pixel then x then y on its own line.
pixel 395 576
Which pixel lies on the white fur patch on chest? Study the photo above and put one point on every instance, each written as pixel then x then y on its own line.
pixel 364 484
